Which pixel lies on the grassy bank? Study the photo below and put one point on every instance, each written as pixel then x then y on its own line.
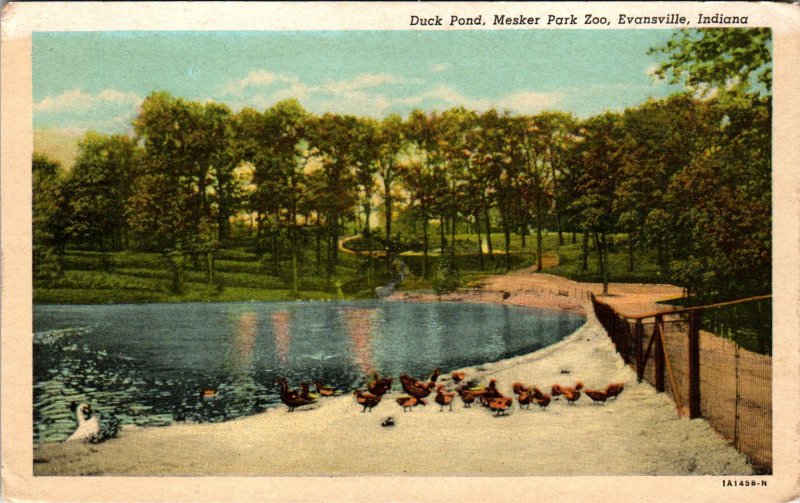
pixel 135 277
pixel 132 277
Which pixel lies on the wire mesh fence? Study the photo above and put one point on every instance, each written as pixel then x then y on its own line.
pixel 707 375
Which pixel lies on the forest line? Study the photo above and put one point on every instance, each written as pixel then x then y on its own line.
pixel 687 176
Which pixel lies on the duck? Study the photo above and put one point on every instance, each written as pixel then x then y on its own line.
pixel 324 390
pixel 415 388
pixel 543 400
pixel 90 429
pixel 597 395
pixel 366 399
pixel 466 396
pixel 457 377
pixel 571 394
pixel 524 398
pixel 207 393
pixel 409 402
pixel 488 393
pixel 518 388
pixel 435 375
pixel 292 398
pixel 499 405
pixel 306 393
pixel 444 398
pixel 555 390
pixel 379 385
pixel 613 390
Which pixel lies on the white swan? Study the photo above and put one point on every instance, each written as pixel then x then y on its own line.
pixel 88 425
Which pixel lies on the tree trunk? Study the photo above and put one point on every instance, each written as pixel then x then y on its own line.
pixel 507 233
pixel 318 263
pixel 630 252
pixel 259 232
pixel 387 201
pixel 599 252
pixel 539 264
pixel 488 229
pixel 555 204
pixel 425 247
pixel 453 239
pixel 368 235
pixel 295 272
pixel 442 238
pixel 585 258
pixel 480 243
pixel 605 263
pixel 210 265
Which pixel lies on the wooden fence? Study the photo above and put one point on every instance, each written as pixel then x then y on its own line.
pixel 707 376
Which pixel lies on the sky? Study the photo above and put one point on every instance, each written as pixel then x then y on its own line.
pixel 96 80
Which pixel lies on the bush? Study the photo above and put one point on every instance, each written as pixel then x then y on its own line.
pixel 445 277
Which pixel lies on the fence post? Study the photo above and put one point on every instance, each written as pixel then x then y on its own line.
pixel 639 351
pixel 694 365
pixel 659 353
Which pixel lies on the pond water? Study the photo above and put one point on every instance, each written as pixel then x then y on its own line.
pixel 148 364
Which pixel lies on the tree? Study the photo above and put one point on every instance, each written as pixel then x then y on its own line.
pixel 422 175
pixel 49 236
pixel 391 142
pixel 333 149
pixel 733 61
pixel 98 187
pixel 366 158
pixel 723 235
pixel 275 143
pixel 596 185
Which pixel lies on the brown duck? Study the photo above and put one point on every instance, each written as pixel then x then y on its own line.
pixel 444 398
pixel 458 377
pixel 499 405
pixel 324 390
pixel 409 402
pixel 417 389
pixel 466 396
pixel 597 395
pixel 378 385
pixel 290 398
pixel 366 400
pixel 615 389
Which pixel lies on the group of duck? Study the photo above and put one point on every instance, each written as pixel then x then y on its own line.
pixel 418 391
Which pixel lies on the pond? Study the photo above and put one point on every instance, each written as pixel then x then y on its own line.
pixel 148 364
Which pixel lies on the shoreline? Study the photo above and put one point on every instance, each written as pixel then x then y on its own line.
pixel 639 433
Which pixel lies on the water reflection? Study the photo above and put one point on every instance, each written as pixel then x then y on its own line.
pixel 147 364
pixel 359 324
pixel 280 327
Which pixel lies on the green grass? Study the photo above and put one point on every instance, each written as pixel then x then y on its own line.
pixel 135 277
pixel 128 277
pixel 646 270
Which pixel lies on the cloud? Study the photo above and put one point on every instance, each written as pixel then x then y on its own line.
pixel 75 111
pixel 524 102
pixel 364 81
pixel 75 99
pixel 441 67
pixel 259 79
pixel 529 102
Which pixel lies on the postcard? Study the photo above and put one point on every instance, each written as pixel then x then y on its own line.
pixel 400 251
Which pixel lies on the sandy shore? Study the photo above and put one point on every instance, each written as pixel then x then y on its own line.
pixel 640 433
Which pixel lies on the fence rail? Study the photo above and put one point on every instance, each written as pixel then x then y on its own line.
pixel 707 376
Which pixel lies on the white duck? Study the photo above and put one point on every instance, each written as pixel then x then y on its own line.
pixel 88 425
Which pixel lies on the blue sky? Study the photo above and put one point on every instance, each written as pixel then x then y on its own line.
pixel 97 80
